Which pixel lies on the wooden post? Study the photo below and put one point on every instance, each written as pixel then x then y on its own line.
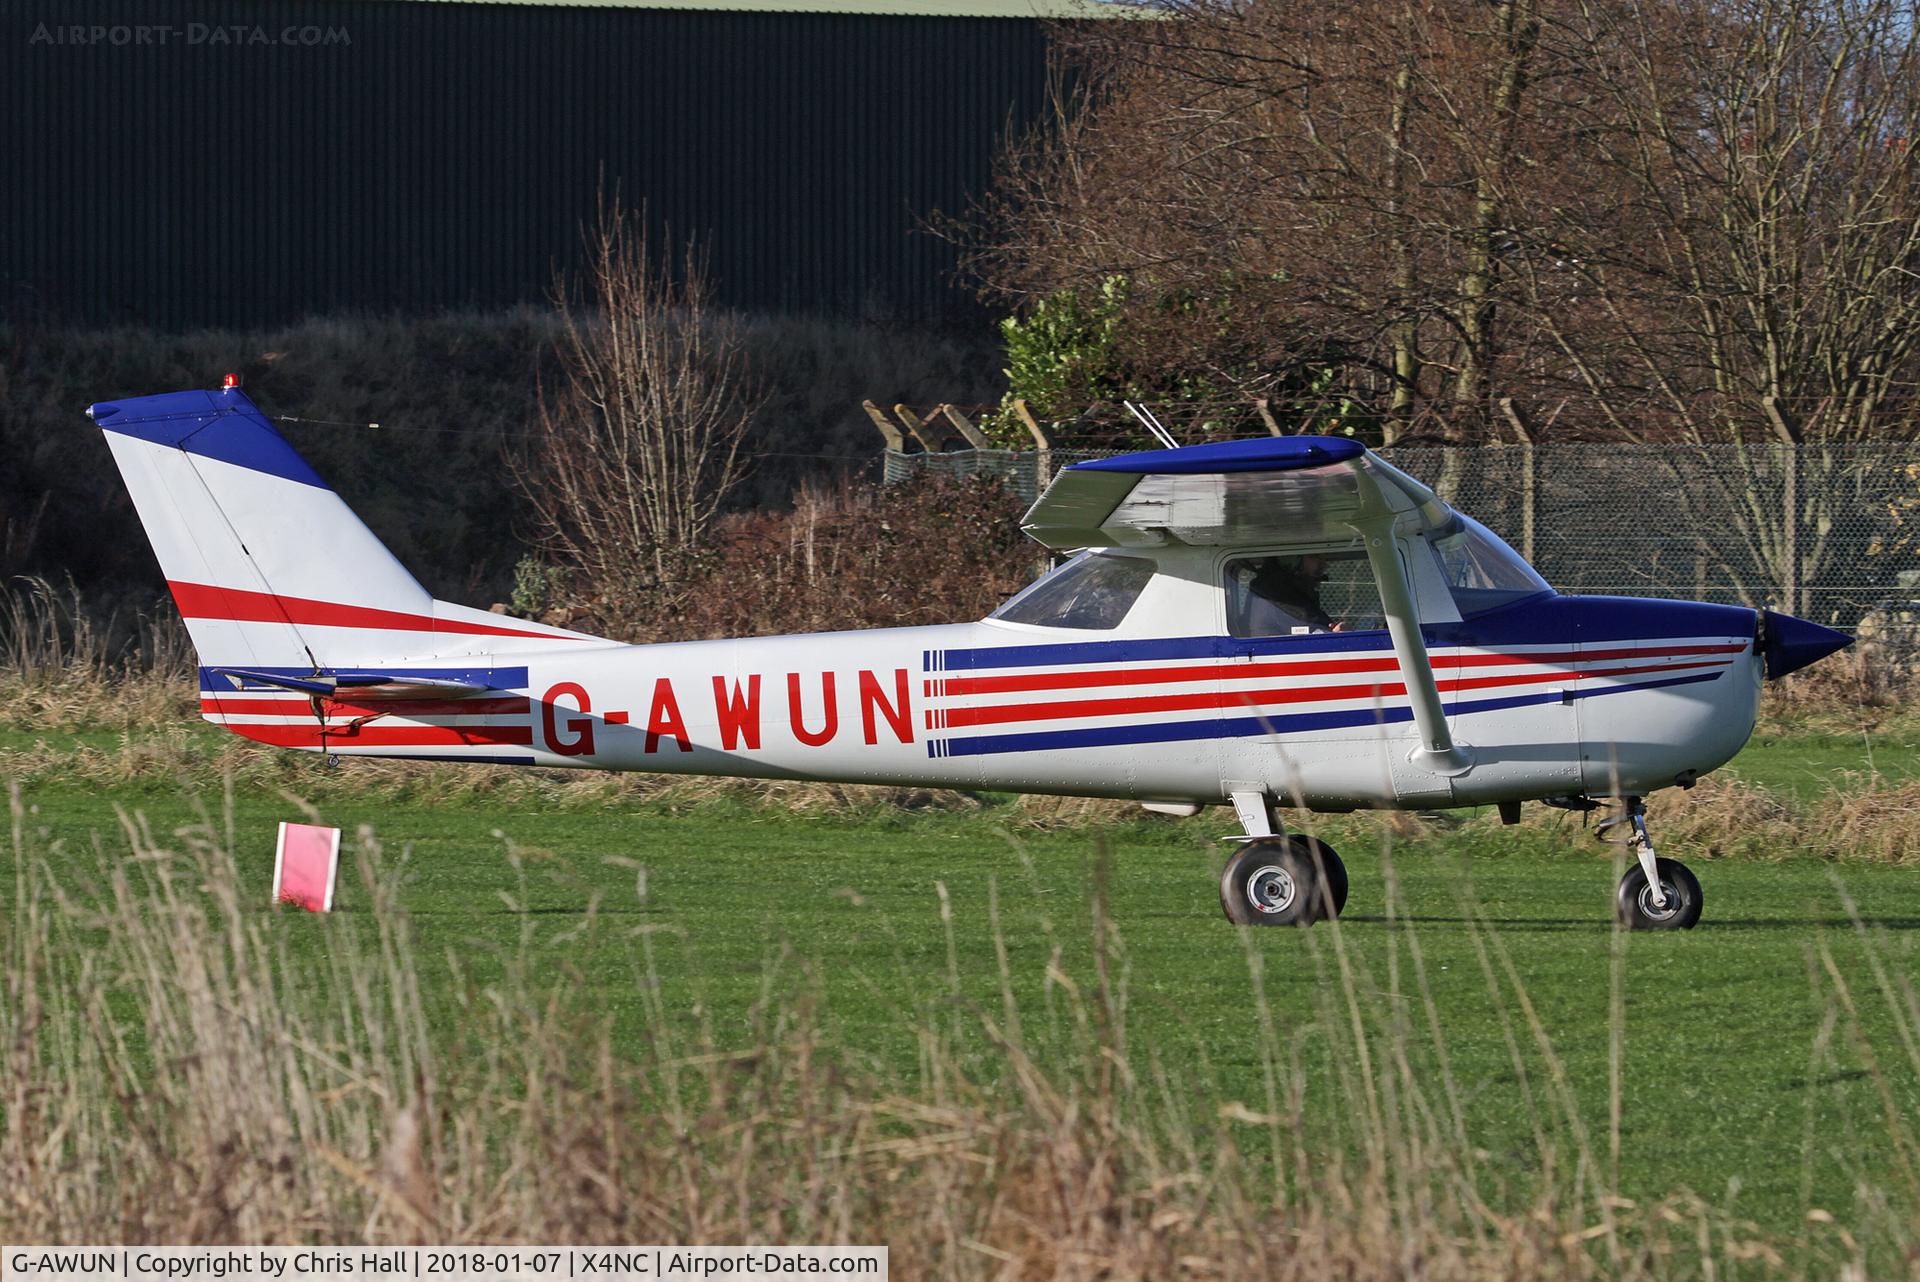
pixel 1025 415
pixel 1266 416
pixel 1788 433
pixel 922 432
pixel 895 442
pixel 963 425
pixel 1043 449
pixel 1529 475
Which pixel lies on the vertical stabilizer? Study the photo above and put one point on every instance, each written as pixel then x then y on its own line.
pixel 270 569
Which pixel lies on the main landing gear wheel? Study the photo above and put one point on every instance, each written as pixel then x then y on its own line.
pixel 1283 881
pixel 1634 901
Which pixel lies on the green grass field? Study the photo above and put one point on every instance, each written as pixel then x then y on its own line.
pixel 1493 959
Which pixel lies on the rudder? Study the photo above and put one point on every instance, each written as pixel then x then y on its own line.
pixel 270 568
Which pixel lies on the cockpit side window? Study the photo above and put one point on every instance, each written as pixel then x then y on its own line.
pixel 1094 591
pixel 1318 591
pixel 1482 572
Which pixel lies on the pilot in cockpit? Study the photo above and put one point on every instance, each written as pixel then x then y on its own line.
pixel 1283 596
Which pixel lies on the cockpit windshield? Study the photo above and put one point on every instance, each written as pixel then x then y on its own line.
pixel 1094 591
pixel 1482 572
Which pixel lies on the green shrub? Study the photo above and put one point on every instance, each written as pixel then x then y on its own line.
pixel 1062 358
pixel 537 587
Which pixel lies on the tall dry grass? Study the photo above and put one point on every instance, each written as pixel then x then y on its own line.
pixel 64 663
pixel 172 1076
pixel 1864 687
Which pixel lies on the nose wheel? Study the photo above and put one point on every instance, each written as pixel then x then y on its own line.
pixel 1656 894
pixel 1675 907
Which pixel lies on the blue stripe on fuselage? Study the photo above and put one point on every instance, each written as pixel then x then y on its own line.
pixel 510 679
pixel 1249 727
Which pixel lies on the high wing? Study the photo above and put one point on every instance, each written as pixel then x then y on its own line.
pixel 1284 488
pixel 1287 489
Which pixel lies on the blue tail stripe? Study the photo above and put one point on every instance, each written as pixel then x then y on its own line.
pixel 222 425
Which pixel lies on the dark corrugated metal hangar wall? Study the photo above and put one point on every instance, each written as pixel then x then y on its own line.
pixel 445 155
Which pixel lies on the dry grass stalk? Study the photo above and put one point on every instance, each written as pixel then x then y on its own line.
pixel 61 665
pixel 171 1077
pixel 1864 687
pixel 1725 816
pixel 1882 824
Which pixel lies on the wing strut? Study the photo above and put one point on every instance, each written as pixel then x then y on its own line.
pixel 1437 751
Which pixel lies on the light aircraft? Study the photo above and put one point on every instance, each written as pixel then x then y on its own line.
pixel 1251 623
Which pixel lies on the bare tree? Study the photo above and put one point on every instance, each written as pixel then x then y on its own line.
pixel 1754 284
pixel 1300 197
pixel 1694 222
pixel 635 451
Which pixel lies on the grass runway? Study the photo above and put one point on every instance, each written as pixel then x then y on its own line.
pixel 1734 1080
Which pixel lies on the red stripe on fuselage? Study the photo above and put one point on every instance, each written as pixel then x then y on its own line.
pixel 376 736
pixel 236 605
pixel 1025 681
pixel 1002 714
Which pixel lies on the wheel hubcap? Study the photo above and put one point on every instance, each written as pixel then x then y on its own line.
pixel 1271 889
pixel 1667 892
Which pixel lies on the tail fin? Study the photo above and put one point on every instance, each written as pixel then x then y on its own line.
pixel 271 571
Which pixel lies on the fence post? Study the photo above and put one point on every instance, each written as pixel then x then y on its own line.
pixel 1788 433
pixel 895 442
pixel 1043 457
pixel 1266 416
pixel 1529 475
pixel 963 425
pixel 929 440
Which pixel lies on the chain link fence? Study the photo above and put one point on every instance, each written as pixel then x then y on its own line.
pixel 1830 533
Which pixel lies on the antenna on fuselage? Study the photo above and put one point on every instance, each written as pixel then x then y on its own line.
pixel 1152 424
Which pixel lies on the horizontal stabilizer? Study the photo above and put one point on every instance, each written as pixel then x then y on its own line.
pixel 361 683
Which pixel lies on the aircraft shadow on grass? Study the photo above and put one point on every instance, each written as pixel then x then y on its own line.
pixel 1589 925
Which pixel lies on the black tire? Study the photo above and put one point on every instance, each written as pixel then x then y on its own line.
pixel 1633 901
pixel 1282 881
pixel 1334 872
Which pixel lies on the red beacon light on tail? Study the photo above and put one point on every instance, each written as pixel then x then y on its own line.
pixel 229 382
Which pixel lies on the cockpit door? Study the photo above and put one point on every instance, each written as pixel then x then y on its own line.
pixel 1308 686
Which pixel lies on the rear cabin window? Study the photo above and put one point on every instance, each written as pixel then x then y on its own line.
pixel 1285 595
pixel 1093 591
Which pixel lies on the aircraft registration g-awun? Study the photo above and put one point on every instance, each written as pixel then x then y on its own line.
pixel 1289 620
